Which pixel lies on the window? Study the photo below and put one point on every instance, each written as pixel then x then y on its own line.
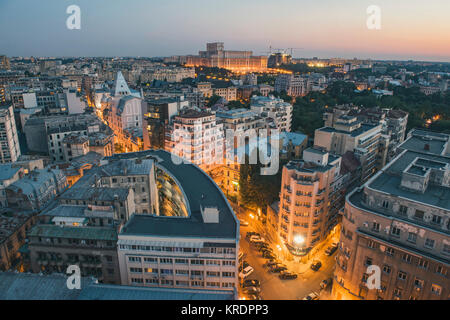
pixel 403 210
pixel 386 269
pixel 137 280
pixel 212 273
pixel 166 271
pixel 435 289
pixel 228 263
pixel 385 204
pixel 412 237
pixel 228 274
pixel 436 219
pixel 165 260
pixel 150 260
pixel 422 264
pixel 372 244
pixel 182 272
pixel 418 283
pixel 213 262
pixel 397 292
pixel 446 249
pixel 181 261
pixel 197 262
pixel 395 231
pixel 407 258
pixel 136 270
pixel 365 277
pixel 368 261
pixel 134 259
pixel 429 243
pixel 376 227
pixel 390 251
pixel 441 270
pixel 419 215
pixel 402 275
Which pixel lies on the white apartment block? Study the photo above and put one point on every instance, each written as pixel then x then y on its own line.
pixel 276 112
pixel 9 141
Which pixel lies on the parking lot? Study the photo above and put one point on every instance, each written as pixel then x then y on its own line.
pixel 272 287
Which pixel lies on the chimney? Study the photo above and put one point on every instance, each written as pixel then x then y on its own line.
pixel 210 214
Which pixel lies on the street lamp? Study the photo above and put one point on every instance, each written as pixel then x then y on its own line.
pixel 298 239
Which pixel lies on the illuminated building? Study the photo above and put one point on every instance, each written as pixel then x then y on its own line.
pixel 197 249
pixel 10 148
pixel 308 208
pixel 236 61
pixel 399 222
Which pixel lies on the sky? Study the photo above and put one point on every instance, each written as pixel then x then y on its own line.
pixel 410 29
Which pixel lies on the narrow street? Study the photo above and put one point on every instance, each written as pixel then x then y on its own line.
pixel 272 287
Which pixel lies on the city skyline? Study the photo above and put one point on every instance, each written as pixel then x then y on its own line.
pixel 325 30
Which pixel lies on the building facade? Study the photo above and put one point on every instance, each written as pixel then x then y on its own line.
pixel 398 222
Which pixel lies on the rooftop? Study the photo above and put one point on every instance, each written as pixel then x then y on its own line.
pixel 83 233
pixel 32 286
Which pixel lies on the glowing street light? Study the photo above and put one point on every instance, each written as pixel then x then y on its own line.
pixel 298 239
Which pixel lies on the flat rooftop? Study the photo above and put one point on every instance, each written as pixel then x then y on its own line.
pixel 389 180
pixel 32 286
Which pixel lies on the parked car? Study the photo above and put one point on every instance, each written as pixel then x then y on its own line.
pixel 263 246
pixel 246 272
pixel 312 296
pixel 285 275
pixel 251 283
pixel 243 265
pixel 270 263
pixel 241 255
pixel 325 283
pixel 268 255
pixel 331 249
pixel 251 233
pixel 252 290
pixel 278 268
pixel 256 239
pixel 243 223
pixel 254 297
pixel 316 265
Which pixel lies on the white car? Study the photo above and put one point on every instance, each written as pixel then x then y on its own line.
pixel 241 255
pixel 312 296
pixel 246 272
pixel 243 223
pixel 257 239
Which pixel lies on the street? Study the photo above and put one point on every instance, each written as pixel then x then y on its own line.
pixel 272 287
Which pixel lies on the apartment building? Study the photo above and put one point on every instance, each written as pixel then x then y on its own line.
pixel 276 112
pixel 398 221
pixel 67 241
pixel 197 137
pixel 306 214
pixel 295 86
pixel 138 175
pixel 216 56
pixel 159 113
pixel 36 190
pixel 8 175
pixel 14 224
pixel 9 141
pixel 393 121
pixel 198 250
pixel 222 89
pixel 365 140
